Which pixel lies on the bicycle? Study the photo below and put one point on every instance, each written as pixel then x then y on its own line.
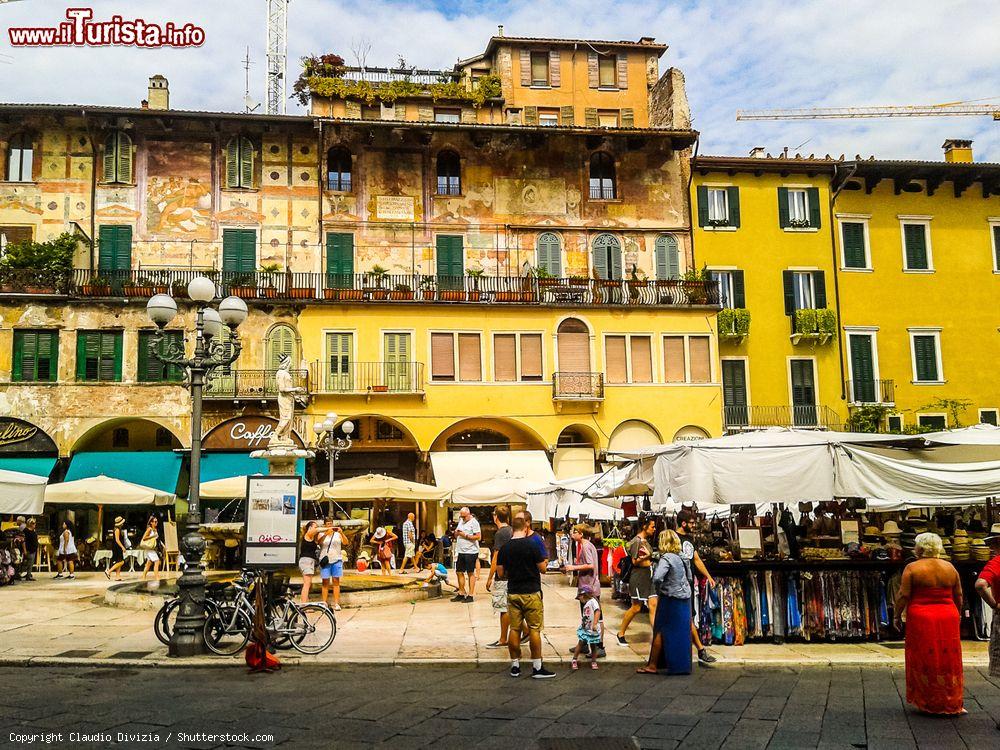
pixel 166 617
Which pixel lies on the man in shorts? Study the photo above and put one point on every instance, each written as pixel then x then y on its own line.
pixel 467 536
pixel 521 563
pixel 495 582
pixel 409 543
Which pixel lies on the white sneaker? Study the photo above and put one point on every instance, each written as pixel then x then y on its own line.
pixel 336 607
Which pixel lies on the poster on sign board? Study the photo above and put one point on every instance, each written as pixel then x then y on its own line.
pixel 274 506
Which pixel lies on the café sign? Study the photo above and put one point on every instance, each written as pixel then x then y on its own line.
pixel 248 434
pixel 18 436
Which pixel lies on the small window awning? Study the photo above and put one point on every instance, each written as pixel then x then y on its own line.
pixel 454 469
pixel 224 465
pixel 40 467
pixel 156 469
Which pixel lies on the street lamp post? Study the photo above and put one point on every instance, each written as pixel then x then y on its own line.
pixel 328 441
pixel 209 353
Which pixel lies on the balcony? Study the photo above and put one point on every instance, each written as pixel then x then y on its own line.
pixel 813 326
pixel 365 288
pixel 578 386
pixel 862 392
pixel 248 385
pixel 738 418
pixel 368 378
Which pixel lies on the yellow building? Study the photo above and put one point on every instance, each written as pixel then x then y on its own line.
pixel 763 232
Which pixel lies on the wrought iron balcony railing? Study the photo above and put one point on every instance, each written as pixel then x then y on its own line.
pixel 578 386
pixel 365 287
pixel 337 376
pixel 248 385
pixel 871 391
pixel 757 417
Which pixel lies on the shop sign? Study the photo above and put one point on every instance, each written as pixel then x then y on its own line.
pixel 690 434
pixel 243 434
pixel 274 505
pixel 394 207
pixel 18 436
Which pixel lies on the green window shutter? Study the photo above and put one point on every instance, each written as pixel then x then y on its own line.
pixel 803 385
pixel 925 354
pixel 915 237
pixel 246 163
pixel 281 340
pixel 593 74
pixel 668 262
pixel 853 238
pixel 106 247
pixel 739 290
pixel 230 250
pixel 702 206
pixel 47 367
pixel 862 368
pixel 340 260
pixel 123 249
pixel 115 248
pixel 996 247
pixel 233 163
pixel 25 347
pixel 150 369
pixel 567 115
pixel 549 255
pixel 450 261
pixel 782 207
pixel 109 356
pixel 590 116
pixel 175 374
pixel 628 117
pixel 531 115
pixel 812 196
pixel 239 250
pixel 82 338
pixel 248 250
pixel 110 161
pixel 338 348
pixel 819 289
pixel 124 158
pixel 788 284
pixel 733 199
pixel 734 383
pixel 144 361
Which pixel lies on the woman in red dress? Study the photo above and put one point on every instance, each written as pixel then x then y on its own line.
pixel 930 599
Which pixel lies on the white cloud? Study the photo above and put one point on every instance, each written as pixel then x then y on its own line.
pixel 766 53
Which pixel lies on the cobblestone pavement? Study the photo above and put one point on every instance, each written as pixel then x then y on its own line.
pixel 345 707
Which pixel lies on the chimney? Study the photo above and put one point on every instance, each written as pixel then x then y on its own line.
pixel 159 93
pixel 757 152
pixel 957 150
pixel 500 30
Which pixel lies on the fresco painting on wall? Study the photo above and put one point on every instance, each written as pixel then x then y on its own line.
pixel 179 195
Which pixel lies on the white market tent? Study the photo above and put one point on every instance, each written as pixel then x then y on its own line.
pixel 505 489
pixel 235 488
pixel 102 490
pixel 21 494
pixel 380 487
pixel 457 469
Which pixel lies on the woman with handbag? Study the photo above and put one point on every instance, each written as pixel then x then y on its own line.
pixel 66 556
pixel 331 563
pixel 119 545
pixel 150 544
pixel 670 649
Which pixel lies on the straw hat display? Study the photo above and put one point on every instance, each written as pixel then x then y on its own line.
pixel 891 528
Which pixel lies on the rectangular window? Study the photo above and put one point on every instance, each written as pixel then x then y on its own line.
pixel 994 231
pixel 470 361
pixel 894 422
pixel 687 359
pixel 988 416
pixel 932 421
pixel 718 205
pixel 700 358
pixel 641 359
pixel 239 250
pixel 798 207
pixel 150 369
pixel 36 356
pixel 114 243
pixel 916 247
pixel 734 393
pixel 339 352
pixel 164 439
pixel 505 357
pixel 926 352
pixel 99 356
pixel 607 71
pixel 398 373
pixel 517 356
pixel 725 281
pixel 450 359
pixel 548 117
pixel 607 118
pixel 805 298
pixel 539 68
pixel 531 356
pixel 628 359
pixel 13 235
pixel 442 356
pixel 802 374
pixel 371 112
pixel 853 244
pixel 674 364
pixel 615 359
pixel 447 115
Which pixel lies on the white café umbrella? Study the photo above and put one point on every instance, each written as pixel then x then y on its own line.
pixel 381 487
pixel 235 488
pixel 103 490
pixel 21 494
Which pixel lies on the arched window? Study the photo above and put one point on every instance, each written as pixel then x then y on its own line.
pixel 338 169
pixel 668 259
pixel 281 340
pixel 239 163
pixel 549 254
pixel 603 185
pixel 608 257
pixel 20 155
pixel 449 174
pixel 118 157
pixel 573 346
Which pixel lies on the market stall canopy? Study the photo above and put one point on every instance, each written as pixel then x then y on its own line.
pixel 505 489
pixel 455 469
pixel 21 494
pixel 381 487
pixel 102 490
pixel 228 465
pixel 39 466
pixel 158 469
pixel 235 488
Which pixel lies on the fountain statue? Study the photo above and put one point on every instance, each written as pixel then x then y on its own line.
pixel 282 452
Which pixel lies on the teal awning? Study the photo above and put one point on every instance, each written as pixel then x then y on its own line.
pixel 41 467
pixel 157 469
pixel 223 465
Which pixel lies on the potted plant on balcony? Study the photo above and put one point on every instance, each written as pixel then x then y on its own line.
pixel 543 277
pixel 242 285
pixel 695 285
pixel 401 291
pixel 734 324
pixel 96 286
pixel 475 274
pixel 40 267
pixel 269 276
pixel 160 281
pixel 377 277
pixel 428 288
pixel 578 280
pixel 297 292
pixel 816 326
pixel 139 286
pixel 179 289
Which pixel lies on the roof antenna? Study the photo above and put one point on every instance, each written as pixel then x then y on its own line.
pixel 248 103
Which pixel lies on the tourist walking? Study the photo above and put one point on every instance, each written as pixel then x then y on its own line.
pixel 692 561
pixel 586 565
pixel 308 557
pixel 30 547
pixel 331 541
pixel 22 562
pixel 930 603
pixel 66 553
pixel 670 649
pixel 467 536
pixel 495 583
pixel 120 544
pixel 521 564
pixel 640 580
pixel 150 544
pixel 988 588
pixel 409 543
pixel 591 625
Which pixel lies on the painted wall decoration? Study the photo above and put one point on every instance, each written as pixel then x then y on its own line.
pixel 179 192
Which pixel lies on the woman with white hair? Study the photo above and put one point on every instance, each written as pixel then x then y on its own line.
pixel 930 601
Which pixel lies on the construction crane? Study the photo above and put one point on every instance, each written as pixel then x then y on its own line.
pixel 277 52
pixel 952 109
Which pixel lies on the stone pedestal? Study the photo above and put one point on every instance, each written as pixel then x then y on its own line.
pixel 281 460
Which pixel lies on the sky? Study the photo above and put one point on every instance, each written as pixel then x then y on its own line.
pixel 734 55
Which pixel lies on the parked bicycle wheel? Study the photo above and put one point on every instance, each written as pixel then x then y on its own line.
pixel 166 618
pixel 314 629
pixel 227 630
pixel 280 624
